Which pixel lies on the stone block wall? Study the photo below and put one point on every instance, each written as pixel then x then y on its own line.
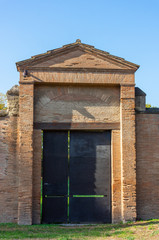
pixel 147 166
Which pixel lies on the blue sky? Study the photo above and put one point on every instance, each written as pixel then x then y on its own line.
pixel 126 28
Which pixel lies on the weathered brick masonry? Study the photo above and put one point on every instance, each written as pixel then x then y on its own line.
pixel 9 159
pixel 147 148
pixel 78 87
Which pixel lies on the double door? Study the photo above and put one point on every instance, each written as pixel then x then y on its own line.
pixel 76 177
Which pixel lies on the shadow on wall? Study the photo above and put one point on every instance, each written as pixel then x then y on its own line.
pixel 77 104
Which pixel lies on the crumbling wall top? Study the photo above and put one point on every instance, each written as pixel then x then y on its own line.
pixel 14 91
pixel 12 102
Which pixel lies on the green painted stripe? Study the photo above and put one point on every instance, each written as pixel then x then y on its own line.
pixel 88 195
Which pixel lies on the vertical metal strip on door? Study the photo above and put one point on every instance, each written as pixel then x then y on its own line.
pixel 89 174
pixel 55 176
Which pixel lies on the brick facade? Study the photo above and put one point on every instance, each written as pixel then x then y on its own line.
pixel 116 177
pixel 36 208
pixel 77 104
pixel 8 170
pixel 147 165
pixel 25 188
pixel 128 153
pixel 9 158
pixel 78 87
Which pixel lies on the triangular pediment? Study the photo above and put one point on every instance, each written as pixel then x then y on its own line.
pixel 79 59
pixel 77 56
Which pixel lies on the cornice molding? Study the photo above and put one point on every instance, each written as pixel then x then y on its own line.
pixel 68 69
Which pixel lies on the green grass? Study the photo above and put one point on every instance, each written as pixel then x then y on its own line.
pixel 129 231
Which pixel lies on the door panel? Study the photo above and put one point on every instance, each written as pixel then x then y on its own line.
pixel 89 210
pixel 89 163
pixel 54 210
pixel 55 176
pixel 84 160
pixel 55 163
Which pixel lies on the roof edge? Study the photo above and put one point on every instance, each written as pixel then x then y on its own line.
pixel 84 47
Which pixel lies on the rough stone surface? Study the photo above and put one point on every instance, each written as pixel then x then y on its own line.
pixel 13 101
pixel 14 91
pixel 3 113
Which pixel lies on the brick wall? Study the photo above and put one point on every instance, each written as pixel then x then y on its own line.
pixel 8 158
pixel 8 170
pixel 79 77
pixel 37 176
pixel 128 153
pixel 77 104
pixel 25 188
pixel 116 176
pixel 147 148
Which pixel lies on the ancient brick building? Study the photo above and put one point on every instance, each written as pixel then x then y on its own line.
pixel 88 96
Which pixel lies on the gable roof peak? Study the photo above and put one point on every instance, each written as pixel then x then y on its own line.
pixel 77 43
pixel 65 49
pixel 78 40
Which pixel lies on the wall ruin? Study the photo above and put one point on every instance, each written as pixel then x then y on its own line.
pixel 9 158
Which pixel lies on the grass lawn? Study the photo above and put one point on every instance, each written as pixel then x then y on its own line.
pixel 130 231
